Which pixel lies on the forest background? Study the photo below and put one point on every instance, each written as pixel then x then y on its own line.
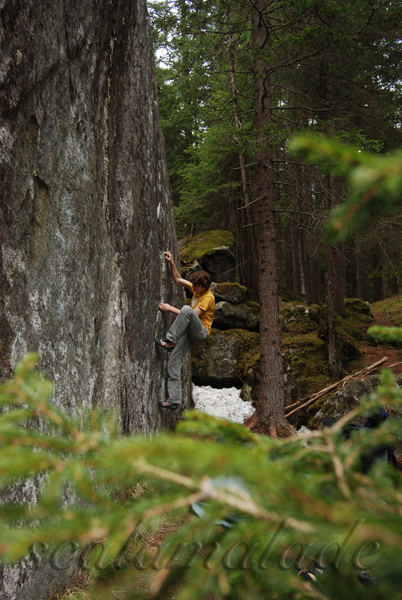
pixel 238 81
pixel 328 67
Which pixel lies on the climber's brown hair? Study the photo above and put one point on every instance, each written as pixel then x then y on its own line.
pixel 201 278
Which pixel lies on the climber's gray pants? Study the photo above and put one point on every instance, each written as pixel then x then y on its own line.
pixel 186 330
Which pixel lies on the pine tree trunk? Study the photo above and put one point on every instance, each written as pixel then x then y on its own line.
pixel 333 296
pixel 247 238
pixel 334 362
pixel 359 271
pixel 293 260
pixel 302 277
pixel 378 282
pixel 271 400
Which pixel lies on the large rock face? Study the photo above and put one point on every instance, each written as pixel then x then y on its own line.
pixel 85 212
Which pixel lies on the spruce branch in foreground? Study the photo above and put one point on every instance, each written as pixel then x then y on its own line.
pixel 289 503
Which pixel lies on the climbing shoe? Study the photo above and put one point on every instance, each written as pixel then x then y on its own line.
pixel 165 344
pixel 168 405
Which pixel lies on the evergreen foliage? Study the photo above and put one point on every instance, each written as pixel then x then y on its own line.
pixel 289 503
pixel 392 335
pixel 334 69
pixel 375 182
pixel 375 186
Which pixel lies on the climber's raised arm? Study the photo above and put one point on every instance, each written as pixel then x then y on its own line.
pixel 175 273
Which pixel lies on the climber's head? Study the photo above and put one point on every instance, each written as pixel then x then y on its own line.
pixel 201 281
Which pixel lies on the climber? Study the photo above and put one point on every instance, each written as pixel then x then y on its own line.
pixel 191 326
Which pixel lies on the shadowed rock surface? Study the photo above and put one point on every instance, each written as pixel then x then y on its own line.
pixel 229 292
pixel 342 401
pixel 85 213
pixel 244 315
pixel 226 358
pixel 213 251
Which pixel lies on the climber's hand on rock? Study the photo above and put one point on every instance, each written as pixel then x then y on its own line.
pixel 165 307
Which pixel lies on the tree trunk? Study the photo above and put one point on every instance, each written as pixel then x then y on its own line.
pixel 334 361
pixel 378 282
pixel 339 279
pixel 302 277
pixel 293 260
pixel 271 400
pixel 247 238
pixel 333 301
pixel 359 271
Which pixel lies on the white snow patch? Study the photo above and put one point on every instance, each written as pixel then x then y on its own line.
pixel 222 403
pixel 303 430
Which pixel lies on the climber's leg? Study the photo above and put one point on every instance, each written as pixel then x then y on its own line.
pixel 187 322
pixel 174 369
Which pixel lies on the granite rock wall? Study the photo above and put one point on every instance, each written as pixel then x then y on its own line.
pixel 85 211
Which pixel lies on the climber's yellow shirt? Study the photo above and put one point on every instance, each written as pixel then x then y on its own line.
pixel 207 304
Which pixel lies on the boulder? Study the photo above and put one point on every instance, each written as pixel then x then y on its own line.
pixel 213 250
pixel 336 405
pixel 301 318
pixel 85 208
pixel 232 358
pixel 85 215
pixel 389 310
pixel 358 309
pixel 229 292
pixel 229 316
pixel 226 358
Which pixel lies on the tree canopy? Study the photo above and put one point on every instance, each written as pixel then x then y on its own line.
pixel 333 68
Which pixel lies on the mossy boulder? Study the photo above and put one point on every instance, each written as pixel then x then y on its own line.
pixel 337 404
pixel 388 311
pixel 229 316
pixel 300 318
pixel 358 309
pixel 306 357
pixel 226 357
pixel 213 250
pixel 232 292
pixel 231 356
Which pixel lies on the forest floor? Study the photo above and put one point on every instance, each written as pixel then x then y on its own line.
pixel 387 312
pixel 371 352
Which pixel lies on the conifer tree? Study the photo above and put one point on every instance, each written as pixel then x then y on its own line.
pixel 271 385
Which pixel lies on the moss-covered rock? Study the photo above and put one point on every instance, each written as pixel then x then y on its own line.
pixel 231 357
pixel 300 318
pixel 229 316
pixel 358 309
pixel 197 246
pixel 232 292
pixel 306 356
pixel 213 250
pixel 337 404
pixel 388 311
pixel 226 357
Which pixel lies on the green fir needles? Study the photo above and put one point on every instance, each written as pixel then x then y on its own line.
pixel 375 181
pixel 124 508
